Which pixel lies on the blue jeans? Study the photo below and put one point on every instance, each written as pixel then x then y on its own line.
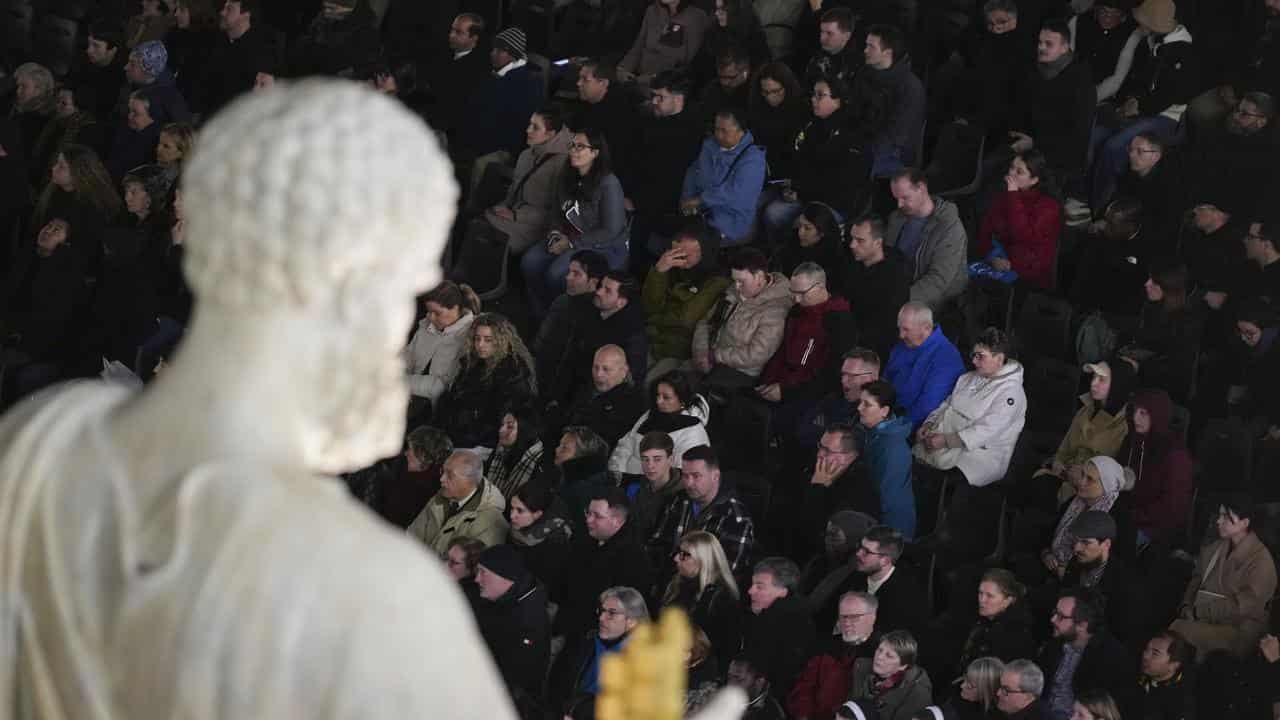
pixel 544 273
pixel 779 216
pixel 1111 154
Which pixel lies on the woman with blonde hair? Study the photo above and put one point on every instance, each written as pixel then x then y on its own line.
pixel 978 687
pixel 494 369
pixel 1094 705
pixel 175 143
pixel 704 586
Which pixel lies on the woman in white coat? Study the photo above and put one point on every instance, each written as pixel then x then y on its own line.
pixel 433 352
pixel 674 409
pixel 973 433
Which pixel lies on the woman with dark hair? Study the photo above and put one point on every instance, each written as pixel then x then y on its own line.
pixel 1018 238
pixel 581 459
pixel 670 36
pixel 1003 627
pixel 494 370
pixel 674 409
pixel 519 452
pixel 593 218
pixel 1258 329
pixel 1225 604
pixel 777 109
pixel 527 209
pixel 79 191
pixel 817 238
pixel 828 165
pixel 539 532
pixel 433 351
pixel 1163 351
pixel 885 455
pixel 1155 456
pixel 734 24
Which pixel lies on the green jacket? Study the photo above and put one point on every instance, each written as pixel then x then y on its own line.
pixel 672 309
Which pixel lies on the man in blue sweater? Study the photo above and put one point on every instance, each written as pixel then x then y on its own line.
pixel 924 367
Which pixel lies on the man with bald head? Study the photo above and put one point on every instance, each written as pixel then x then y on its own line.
pixel 924 367
pixel 615 402
pixel 465 507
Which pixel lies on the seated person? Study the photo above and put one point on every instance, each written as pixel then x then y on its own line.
pixel 655 489
pixel 974 432
pixel 1151 177
pixel 581 458
pixel 539 533
pixel 1096 564
pixel 1103 36
pixel 828 165
pixel 679 292
pixel 616 400
pixel 748 675
pixel 1212 249
pixel 779 631
pixel 398 488
pixel 888 102
pixel 813 236
pixel 892 680
pixel 819 330
pixel 676 410
pixel 1097 486
pixel 1002 628
pixel 735 23
pixel 608 108
pixel 512 619
pixel 591 216
pixel 340 41
pixel 1018 238
pixel 1164 348
pixel 498 108
pixel 135 140
pixel 1225 605
pixel 670 37
pixel 901 597
pixel 1257 328
pixel 821 577
pixel 732 88
pixel 1261 280
pixel 1165 688
pixel 779 107
pixel 710 505
pixel 671 138
pixel 1158 466
pixel 1111 263
pixel 494 369
pixel 839 56
pixel 732 343
pixel 436 347
pixel 586 269
pixel 517 458
pixel 1023 682
pixel 858 366
pixel 465 507
pixel 1082 655
pixel 884 456
pixel 995 59
pixel 923 367
pixel 609 316
pixel 1234 158
pixel 875 283
pixel 529 208
pixel 575 677
pixel 927 231
pixel 834 485
pixel 724 183
pixel 703 586
pixel 824 683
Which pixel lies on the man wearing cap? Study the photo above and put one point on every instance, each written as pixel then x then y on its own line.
pixel 147 72
pixel 1094 564
pixel 512 616
pixel 500 107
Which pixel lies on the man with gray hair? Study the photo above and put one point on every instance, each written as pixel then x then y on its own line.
pixel 779 634
pixel 1018 696
pixel 827 677
pixel 466 506
pixel 576 676
pixel 819 330
pixel 924 367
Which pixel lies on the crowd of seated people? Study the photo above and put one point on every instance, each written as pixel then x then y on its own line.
pixel 753 354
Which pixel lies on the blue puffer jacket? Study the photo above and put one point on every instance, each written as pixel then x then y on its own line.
pixel 729 191
pixel 924 376
pixel 887 455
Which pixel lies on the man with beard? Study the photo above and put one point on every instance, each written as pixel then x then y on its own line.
pixel 901 598
pixel 1238 158
pixel 839 57
pixel 1082 655
pixel 1253 65
pixel 824 684
pixel 1095 565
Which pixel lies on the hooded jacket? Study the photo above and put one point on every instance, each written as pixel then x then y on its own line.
pixel 432 356
pixel 1161 468
pixel 924 376
pixel 1165 75
pixel 532 195
pixel 690 431
pixel 745 332
pixel 481 517
pixel 729 183
pixel 674 302
pixel 939 269
pixel 815 338
pixel 886 456
pixel 988 415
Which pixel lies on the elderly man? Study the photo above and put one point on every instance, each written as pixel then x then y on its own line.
pixel 924 367
pixel 616 401
pixel 466 506
pixel 927 231
pixel 824 684
pixel 1018 696
pixel 779 633
pixel 575 678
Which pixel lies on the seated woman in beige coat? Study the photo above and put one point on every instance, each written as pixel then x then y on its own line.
pixel 1225 605
pixel 732 343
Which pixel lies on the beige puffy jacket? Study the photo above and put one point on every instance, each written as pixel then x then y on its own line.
pixel 747 332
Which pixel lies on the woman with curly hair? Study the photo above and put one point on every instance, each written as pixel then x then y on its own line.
pixel 494 369
pixel 704 587
pixel 79 191
pixel 519 454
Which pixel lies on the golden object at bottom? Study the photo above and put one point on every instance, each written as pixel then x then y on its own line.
pixel 646 681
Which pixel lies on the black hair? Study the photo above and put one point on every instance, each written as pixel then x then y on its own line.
pixel 593 263
pixel 628 288
pixel 1243 506
pixel 883 391
pixel 1090 608
pixel 528 430
pixel 679 384
pixel 583 187
pixel 109 32
pixel 842 17
pixel 600 69
pixel 537 496
pixel 892 39
pixel 616 497
pixel 552 115
pixel 702 453
pixel 995 340
pixel 875 221
pixel 1059 26
pixel 749 259
pixel 676 82
pixel 738 115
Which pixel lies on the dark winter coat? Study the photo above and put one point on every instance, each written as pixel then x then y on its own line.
pixel 850 491
pixel 345 46
pixel 888 108
pixel 581 478
pixel 517 631
pixel 830 166
pixel 775 130
pixel 1058 113
pixel 471 409
pixel 617 118
pixel 453 81
pixel 913 693
pixel 670 146
pixel 595 567
pixel 498 111
pixel 234 66
pixel 717 613
pixel 876 293
pixel 564 364
pixel 42 298
pixel 611 414
pixel 543 548
pixel 1105 665
pixel 1162 465
pixel 902 603
pixel 1006 636
pixel 779 640
pixel 999 63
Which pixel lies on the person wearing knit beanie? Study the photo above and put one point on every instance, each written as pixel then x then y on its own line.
pixel 505 569
pixel 513 42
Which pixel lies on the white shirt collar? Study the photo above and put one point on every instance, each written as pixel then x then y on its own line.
pixel 512 66
pixel 874 585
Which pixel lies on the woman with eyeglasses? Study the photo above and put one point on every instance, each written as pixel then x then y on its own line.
pixel 592 217
pixel 1163 349
pixel 734 24
pixel 777 109
pixel 705 588
pixel 1258 355
pixel 972 435
pixel 828 164
pixel 976 698
pixel 1018 237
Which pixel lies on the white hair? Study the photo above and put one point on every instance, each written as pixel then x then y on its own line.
pixel 918 312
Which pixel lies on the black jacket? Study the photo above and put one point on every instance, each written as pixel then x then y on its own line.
pixel 875 295
pixel 452 82
pixel 843 65
pixel 518 632
pixel 1216 260
pixel 830 166
pixel 564 362
pixel 611 414
pixel 471 409
pixel 775 129
pixel 344 47
pixel 849 491
pixel 234 66
pixel 902 603
pixel 779 641
pixel 1163 78
pixel 1105 665
pixel 1006 636
pixel 998 65
pixel 1099 48
pixel 618 119
pixel 581 478
pixel 1163 193
pixel 670 145
pixel 544 549
pixel 595 567
pixel 42 298
pixel 1221 164
pixel 889 107
pixel 1172 700
pixel 1058 113
pixel 718 614
pixel 1119 586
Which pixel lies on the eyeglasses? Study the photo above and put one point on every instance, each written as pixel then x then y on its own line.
pixel 580 146
pixel 802 293
pixel 1060 616
pixel 683 554
pixel 864 550
pixel 610 612
pixel 1002 690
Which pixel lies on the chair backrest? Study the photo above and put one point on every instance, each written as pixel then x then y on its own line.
pixel 17 20
pixel 1224 455
pixel 54 43
pixel 1052 387
pixel 1044 326
pixel 544 67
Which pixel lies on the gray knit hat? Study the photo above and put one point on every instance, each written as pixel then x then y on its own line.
pixel 513 41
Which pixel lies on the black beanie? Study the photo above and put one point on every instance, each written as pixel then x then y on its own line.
pixel 502 560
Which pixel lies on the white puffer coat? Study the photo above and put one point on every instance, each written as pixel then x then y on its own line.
pixel 626 455
pixel 432 356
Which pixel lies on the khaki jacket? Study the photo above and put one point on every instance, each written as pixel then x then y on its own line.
pixel 1091 434
pixel 1225 604
pixel 481 518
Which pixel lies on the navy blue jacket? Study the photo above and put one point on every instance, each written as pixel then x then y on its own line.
pixel 499 111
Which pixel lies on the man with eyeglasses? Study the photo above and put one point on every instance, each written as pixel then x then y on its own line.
pixel 1262 248
pixel 1081 655
pixel 824 684
pixel 834 484
pixel 901 596
pixel 858 366
pixel 1095 565
pixel 1212 248
pixel 1237 156
pixel 575 676
pixel 1018 696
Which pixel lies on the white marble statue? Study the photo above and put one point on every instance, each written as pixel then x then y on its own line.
pixel 177 553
